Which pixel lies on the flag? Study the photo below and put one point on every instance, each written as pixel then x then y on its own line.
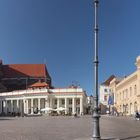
pixel 110 100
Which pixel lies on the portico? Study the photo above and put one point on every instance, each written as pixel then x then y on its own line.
pixel 32 101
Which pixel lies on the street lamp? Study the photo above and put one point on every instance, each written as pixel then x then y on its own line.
pixel 96 116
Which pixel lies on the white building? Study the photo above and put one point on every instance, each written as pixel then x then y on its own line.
pixel 105 91
pixel 104 94
pixel 26 101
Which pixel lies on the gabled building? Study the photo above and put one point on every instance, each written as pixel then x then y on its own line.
pixel 21 76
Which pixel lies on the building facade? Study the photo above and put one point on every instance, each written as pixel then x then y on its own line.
pixel 126 92
pixel 105 91
pixel 31 101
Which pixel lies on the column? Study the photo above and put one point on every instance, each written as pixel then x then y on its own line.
pixel 5 106
pixel 46 104
pixel 66 106
pixel 11 108
pixel 38 105
pixel 27 106
pixel 32 107
pixel 81 106
pixel 24 104
pixel 0 106
pixel 17 110
pixel 58 105
pixel 73 106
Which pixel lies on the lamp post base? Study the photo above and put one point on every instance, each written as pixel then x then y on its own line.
pixel 96 128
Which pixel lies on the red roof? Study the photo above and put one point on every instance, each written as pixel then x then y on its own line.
pixel 25 70
pixel 107 82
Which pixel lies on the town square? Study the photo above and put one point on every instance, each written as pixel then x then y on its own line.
pixel 69 70
pixel 67 128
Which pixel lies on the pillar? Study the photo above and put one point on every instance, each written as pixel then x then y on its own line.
pixel 17 108
pixel 39 105
pixel 11 107
pixel 0 106
pixel 26 107
pixel 32 107
pixel 81 106
pixel 5 106
pixel 66 106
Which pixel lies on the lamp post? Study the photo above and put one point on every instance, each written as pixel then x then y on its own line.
pixel 96 116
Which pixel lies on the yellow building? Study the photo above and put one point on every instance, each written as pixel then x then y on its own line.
pixel 127 92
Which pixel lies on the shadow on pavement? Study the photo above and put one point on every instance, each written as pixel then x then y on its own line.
pixel 127 138
pixel 110 139
pixel 132 137
pixel 5 119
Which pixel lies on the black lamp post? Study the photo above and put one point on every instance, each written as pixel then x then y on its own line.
pixel 96 116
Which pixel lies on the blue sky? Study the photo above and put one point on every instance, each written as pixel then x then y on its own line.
pixel 60 34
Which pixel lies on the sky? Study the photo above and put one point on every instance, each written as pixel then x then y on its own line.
pixel 60 33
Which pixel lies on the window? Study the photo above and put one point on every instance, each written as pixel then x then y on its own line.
pixel 77 101
pixel 70 101
pixel 70 110
pixel 105 90
pixel 55 101
pixel 105 98
pixel 63 101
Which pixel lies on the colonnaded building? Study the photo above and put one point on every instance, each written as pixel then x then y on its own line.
pixel 126 92
pixel 27 88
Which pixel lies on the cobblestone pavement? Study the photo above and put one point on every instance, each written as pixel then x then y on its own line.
pixel 67 128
